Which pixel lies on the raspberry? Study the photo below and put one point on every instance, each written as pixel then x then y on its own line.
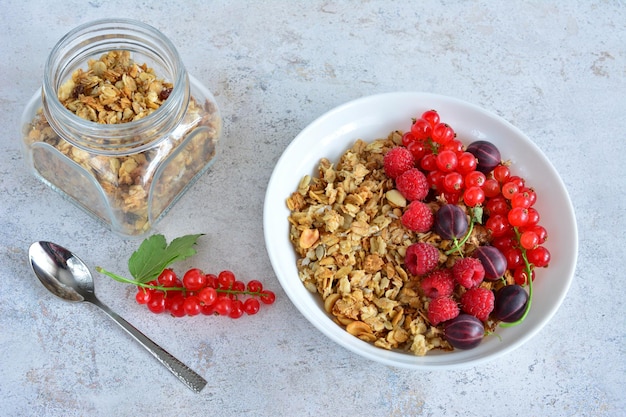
pixel 413 184
pixel 418 217
pixel 421 258
pixel 438 284
pixel 468 272
pixel 478 302
pixel 397 160
pixel 442 309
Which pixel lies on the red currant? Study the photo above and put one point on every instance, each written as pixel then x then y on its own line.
pixel 168 278
pixel 157 302
pixel 223 305
pixel 251 306
pixel 517 180
pixel 497 205
pixel 207 309
pixel 211 280
pixel 533 216
pixel 466 163
pixel 177 308
pixel 501 173
pixel 267 297
pixel 520 274
pixel 236 310
pixel 520 199
pixel 431 116
pixel 539 256
pixel 176 305
pixel 509 189
pixel 421 130
pixel 518 216
pixel 473 196
pixel 447 161
pixel 452 197
pixel 454 145
pixel 417 149
pixel 498 225
pixel 142 296
pixel 540 231
pixel 442 133
pixel 491 188
pixel 238 286
pixel 429 162
pixel 504 243
pixel 408 138
pixel 207 295
pixel 529 240
pixel 453 182
pixel 194 279
pixel 513 258
pixel 225 279
pixel 435 179
pixel 475 178
pixel 532 195
pixel 255 286
pixel 191 305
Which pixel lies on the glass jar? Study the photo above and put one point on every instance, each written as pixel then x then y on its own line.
pixel 122 147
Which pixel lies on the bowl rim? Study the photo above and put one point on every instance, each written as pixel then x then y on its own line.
pixel 319 318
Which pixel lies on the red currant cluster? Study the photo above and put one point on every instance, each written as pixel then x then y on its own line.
pixel 476 177
pixel 451 170
pixel 200 293
pixel 514 225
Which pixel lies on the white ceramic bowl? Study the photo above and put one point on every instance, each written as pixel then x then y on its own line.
pixel 374 117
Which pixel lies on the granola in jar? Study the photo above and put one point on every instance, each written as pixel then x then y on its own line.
pixel 118 139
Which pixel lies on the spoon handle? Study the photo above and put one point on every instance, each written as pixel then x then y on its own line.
pixel 189 377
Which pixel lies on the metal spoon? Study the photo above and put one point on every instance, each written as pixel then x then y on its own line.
pixel 67 277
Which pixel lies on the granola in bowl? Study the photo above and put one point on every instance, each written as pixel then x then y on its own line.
pixel 338 245
pixel 347 231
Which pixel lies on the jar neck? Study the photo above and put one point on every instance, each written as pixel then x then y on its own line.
pixel 90 41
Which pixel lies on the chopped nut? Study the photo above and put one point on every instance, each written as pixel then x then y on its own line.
pixel 330 301
pixel 361 330
pixel 308 238
pixel 396 198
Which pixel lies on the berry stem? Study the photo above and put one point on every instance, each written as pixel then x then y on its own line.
pixel 119 278
pixel 124 280
pixel 239 292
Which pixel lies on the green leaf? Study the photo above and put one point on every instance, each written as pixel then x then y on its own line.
pixel 154 255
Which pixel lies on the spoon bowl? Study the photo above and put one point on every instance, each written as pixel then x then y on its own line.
pixel 61 272
pixel 68 277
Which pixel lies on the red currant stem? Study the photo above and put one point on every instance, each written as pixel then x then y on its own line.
pixel 434 146
pixel 238 292
pixel 137 283
pixel 117 277
pixel 166 289
pixel 529 279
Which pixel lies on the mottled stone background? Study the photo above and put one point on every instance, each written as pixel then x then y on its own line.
pixel 556 70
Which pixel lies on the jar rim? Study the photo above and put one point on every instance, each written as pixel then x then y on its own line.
pixel 95 38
